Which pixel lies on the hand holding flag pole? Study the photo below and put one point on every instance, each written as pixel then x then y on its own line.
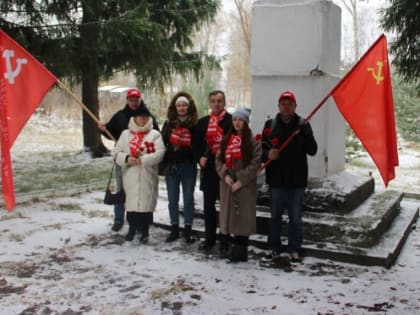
pixel 364 98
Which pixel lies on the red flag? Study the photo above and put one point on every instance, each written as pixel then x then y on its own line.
pixel 364 97
pixel 24 81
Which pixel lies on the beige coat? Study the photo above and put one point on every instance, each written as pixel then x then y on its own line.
pixel 140 182
pixel 240 221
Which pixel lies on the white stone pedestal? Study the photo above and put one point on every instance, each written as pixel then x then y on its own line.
pixel 296 46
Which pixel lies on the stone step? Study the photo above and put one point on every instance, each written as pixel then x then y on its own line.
pixel 361 227
pixel 338 193
pixel 383 253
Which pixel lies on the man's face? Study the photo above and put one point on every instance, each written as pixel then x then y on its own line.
pixel 217 103
pixel 287 109
pixel 133 102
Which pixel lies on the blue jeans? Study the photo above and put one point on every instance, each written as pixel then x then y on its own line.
pixel 183 174
pixel 292 200
pixel 118 209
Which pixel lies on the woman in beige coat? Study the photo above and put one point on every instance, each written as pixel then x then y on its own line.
pixel 237 164
pixel 139 150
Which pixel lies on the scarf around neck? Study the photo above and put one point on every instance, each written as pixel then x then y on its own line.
pixel 233 151
pixel 180 136
pixel 136 145
pixel 215 133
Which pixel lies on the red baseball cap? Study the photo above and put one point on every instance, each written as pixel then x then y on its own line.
pixel 133 93
pixel 287 95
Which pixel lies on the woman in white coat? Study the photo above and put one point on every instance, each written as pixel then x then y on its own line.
pixel 139 150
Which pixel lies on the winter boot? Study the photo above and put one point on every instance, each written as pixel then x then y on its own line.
pixel 174 235
pixel 144 237
pixel 188 234
pixel 238 253
pixel 131 232
pixel 224 246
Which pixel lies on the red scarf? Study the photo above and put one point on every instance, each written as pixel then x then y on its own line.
pixel 233 151
pixel 215 133
pixel 180 137
pixel 135 143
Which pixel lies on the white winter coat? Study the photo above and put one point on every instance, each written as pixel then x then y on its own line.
pixel 140 182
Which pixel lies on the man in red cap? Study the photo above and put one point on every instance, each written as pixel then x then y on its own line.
pixel 287 174
pixel 115 126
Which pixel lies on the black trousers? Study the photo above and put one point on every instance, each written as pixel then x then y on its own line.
pixel 140 221
pixel 210 187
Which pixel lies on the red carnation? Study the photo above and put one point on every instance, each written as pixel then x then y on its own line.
pixel 275 142
pixel 267 132
pixel 258 137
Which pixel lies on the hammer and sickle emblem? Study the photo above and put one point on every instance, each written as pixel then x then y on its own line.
pixel 377 75
pixel 237 141
pixel 11 74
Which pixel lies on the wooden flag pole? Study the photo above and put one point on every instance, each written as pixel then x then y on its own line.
pixel 78 101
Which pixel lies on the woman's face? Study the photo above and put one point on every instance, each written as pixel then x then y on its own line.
pixel 181 108
pixel 238 124
pixel 141 121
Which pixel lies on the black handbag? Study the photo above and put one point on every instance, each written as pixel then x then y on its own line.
pixel 165 168
pixel 113 198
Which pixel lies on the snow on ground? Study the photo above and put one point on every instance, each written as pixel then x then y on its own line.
pixel 58 256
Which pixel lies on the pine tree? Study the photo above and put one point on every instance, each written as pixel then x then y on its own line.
pixel 402 16
pixel 86 41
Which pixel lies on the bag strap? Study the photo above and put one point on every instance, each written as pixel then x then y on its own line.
pixel 110 176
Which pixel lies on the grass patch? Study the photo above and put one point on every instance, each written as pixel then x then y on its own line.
pixel 17 237
pixel 67 206
pixel 59 171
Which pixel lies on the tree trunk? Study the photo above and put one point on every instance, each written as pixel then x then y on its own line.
pixel 90 78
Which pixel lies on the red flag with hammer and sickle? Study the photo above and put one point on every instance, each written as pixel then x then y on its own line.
pixel 364 97
pixel 24 81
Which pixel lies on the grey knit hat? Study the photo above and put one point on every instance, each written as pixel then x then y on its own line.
pixel 242 113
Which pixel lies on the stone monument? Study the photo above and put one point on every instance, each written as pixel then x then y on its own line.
pixel 296 46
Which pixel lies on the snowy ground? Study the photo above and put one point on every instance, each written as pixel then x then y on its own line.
pixel 58 256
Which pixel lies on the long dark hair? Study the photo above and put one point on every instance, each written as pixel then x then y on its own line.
pixel 172 115
pixel 246 144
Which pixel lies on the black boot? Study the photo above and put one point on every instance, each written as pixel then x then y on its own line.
pixel 238 253
pixel 188 234
pixel 224 246
pixel 174 235
pixel 144 236
pixel 131 232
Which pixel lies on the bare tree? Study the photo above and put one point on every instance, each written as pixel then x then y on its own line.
pixel 238 71
pixel 244 13
pixel 352 7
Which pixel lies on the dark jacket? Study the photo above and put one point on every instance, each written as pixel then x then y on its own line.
pixel 119 121
pixel 290 170
pixel 180 154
